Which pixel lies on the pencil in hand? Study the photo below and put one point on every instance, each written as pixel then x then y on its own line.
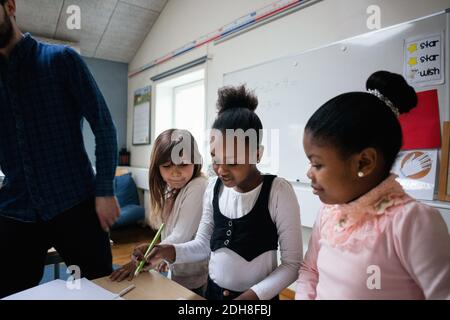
pixel 149 249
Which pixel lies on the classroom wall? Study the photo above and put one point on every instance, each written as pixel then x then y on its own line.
pixel 185 20
pixel 112 79
pixel 322 23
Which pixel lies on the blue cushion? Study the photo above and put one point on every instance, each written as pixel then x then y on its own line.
pixel 129 215
pixel 126 190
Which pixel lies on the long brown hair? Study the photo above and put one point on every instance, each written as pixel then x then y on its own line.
pixel 162 152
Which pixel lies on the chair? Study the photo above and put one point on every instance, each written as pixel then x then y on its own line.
pixel 53 258
pixel 131 212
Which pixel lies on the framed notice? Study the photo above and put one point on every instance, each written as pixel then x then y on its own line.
pixel 141 116
pixel 424 60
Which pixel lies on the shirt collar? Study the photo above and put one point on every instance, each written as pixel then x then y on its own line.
pixel 23 47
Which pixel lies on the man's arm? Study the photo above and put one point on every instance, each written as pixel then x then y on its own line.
pixel 90 101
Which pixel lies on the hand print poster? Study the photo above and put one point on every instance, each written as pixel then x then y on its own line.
pixel 416 171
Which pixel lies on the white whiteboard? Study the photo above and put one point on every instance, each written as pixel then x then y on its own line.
pixel 290 89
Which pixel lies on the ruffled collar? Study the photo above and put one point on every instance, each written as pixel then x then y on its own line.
pixel 358 224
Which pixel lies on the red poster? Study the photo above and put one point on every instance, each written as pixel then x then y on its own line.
pixel 421 126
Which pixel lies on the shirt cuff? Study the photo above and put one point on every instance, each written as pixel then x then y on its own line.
pixel 261 292
pixel 180 255
pixel 104 188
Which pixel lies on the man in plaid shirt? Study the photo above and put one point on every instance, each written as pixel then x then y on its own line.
pixel 50 196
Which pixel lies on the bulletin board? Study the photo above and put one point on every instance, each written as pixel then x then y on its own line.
pixel 141 116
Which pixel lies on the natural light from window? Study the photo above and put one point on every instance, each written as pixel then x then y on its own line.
pixel 180 103
pixel 189 110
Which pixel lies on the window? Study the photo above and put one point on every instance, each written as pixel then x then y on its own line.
pixel 180 103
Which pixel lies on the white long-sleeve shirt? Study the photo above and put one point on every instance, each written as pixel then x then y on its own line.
pixel 263 274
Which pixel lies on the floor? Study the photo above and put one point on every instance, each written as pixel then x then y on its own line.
pixel 125 240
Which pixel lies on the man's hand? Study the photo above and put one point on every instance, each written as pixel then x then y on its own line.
pixel 108 211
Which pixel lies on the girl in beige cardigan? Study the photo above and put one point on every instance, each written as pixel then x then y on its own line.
pixel 176 191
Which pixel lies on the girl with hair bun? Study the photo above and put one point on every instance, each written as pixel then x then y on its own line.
pixel 246 215
pixel 370 240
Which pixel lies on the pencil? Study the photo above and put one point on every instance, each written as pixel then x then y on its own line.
pixel 149 249
pixel 125 291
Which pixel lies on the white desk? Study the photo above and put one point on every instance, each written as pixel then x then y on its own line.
pixel 149 286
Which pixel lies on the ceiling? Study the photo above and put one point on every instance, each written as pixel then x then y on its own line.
pixel 110 29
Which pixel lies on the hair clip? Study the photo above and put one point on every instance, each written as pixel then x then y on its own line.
pixel 386 101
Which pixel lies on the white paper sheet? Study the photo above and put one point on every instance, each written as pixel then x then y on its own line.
pixel 62 290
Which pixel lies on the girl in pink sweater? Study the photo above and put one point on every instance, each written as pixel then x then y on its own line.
pixel 370 240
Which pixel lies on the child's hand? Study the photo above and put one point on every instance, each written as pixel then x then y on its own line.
pixel 138 256
pixel 139 252
pixel 126 271
pixel 163 267
pixel 248 295
pixel 161 252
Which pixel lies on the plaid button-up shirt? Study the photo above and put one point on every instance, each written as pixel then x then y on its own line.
pixel 45 92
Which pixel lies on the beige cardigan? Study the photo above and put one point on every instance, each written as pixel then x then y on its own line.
pixel 181 227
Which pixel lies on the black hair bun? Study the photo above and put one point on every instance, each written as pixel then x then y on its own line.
pixel 235 98
pixel 394 87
